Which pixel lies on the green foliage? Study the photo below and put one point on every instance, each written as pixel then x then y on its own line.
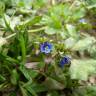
pixel 26 27
pixel 81 69
pixel 84 44
pixel 14 77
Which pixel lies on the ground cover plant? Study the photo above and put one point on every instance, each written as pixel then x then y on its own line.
pixel 47 47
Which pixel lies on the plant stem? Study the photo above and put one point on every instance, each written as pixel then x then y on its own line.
pixel 10 36
pixel 36 30
pixel 29 31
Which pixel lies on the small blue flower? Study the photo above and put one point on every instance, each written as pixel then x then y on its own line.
pixel 64 60
pixel 82 20
pixel 46 47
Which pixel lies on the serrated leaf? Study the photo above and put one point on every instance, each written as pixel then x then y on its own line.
pixel 50 31
pixel 71 30
pixel 92 51
pixel 81 69
pixel 63 34
pixel 84 44
pixel 70 42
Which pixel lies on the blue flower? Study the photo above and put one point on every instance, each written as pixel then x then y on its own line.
pixel 82 21
pixel 46 47
pixel 64 60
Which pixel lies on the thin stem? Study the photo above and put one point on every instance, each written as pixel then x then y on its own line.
pixel 29 31
pixel 10 36
pixel 36 30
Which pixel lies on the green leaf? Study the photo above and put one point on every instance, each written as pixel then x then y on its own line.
pixel 50 31
pixel 57 10
pixel 33 73
pixel 2 7
pixel 81 69
pixel 84 44
pixel 71 30
pixel 78 13
pixel 63 34
pixel 2 41
pixel 24 91
pixel 70 42
pixel 6 22
pixel 2 78
pixel 91 89
pixel 39 3
pixel 25 72
pixel 40 65
pixel 10 23
pixel 54 18
pixel 31 21
pixel 52 84
pixel 26 4
pixel 39 87
pixel 14 22
pixel 92 51
pixel 56 23
pixel 91 6
pixel 12 94
pixel 8 58
pixel 14 77
pixel 23 49
pixel 53 93
pixel 4 86
pixel 29 89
